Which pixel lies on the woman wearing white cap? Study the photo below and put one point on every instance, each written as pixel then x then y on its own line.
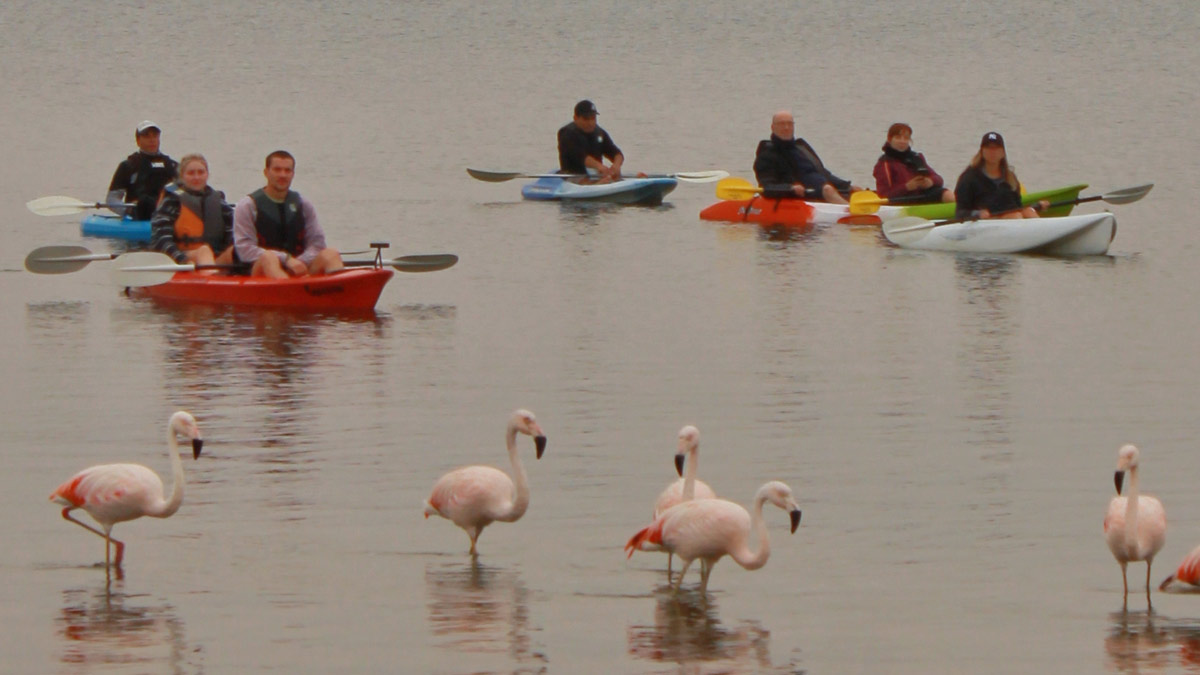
pixel 141 177
pixel 989 188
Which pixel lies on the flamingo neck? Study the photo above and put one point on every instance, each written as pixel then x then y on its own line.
pixel 172 503
pixel 521 481
pixel 1131 507
pixel 753 560
pixel 689 475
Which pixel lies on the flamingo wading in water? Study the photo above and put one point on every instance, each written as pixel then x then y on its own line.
pixel 474 497
pixel 711 528
pixel 1136 524
pixel 115 493
pixel 687 487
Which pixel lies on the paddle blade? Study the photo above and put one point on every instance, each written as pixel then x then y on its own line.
pixel 699 176
pixel 1127 195
pixel 59 206
pixel 736 188
pixel 905 231
pixel 493 176
pixel 146 268
pixel 865 202
pixel 423 263
pixel 61 259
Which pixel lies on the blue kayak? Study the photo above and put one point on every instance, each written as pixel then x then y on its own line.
pixel 641 191
pixel 113 226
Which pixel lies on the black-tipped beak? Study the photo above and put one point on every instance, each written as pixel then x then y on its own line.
pixel 1119 479
pixel 540 442
pixel 795 520
pixel 197 443
pixel 679 463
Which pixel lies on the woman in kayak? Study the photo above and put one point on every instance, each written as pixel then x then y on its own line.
pixel 903 175
pixel 989 188
pixel 193 223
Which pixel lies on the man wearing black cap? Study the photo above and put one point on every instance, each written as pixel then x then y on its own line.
pixel 583 145
pixel 141 177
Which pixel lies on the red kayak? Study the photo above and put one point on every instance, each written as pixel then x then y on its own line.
pixel 794 212
pixel 350 289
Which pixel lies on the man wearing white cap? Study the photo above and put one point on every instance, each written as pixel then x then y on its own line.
pixel 141 177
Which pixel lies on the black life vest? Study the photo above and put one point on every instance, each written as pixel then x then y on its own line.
pixel 280 226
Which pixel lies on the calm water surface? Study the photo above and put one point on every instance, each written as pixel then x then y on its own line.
pixel 949 423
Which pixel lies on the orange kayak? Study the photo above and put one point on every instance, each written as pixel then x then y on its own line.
pixel 795 212
pixel 351 289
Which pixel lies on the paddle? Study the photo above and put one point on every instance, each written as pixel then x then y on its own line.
pixel 866 202
pixel 148 268
pixel 736 188
pixel 685 176
pixel 1122 196
pixel 62 259
pixel 58 205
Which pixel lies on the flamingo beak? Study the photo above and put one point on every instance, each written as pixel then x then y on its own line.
pixel 1119 479
pixel 795 520
pixel 540 442
pixel 679 463
pixel 197 443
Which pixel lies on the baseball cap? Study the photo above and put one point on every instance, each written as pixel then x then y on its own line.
pixel 146 125
pixel 585 108
pixel 992 138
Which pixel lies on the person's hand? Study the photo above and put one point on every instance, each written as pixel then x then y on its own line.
pixel 1042 205
pixel 295 267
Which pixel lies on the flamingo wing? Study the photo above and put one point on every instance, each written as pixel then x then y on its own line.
pixel 672 495
pixel 705 528
pixel 112 493
pixel 472 494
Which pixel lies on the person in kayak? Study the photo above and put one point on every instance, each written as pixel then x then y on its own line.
pixel 193 222
pixel 276 230
pixel 902 174
pixel 140 178
pixel 583 145
pixel 988 187
pixel 786 166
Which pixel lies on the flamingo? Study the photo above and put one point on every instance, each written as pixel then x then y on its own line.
pixel 472 497
pixel 687 487
pixel 711 528
pixel 1136 525
pixel 115 493
pixel 1188 572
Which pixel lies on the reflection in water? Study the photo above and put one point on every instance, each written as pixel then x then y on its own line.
pixel 477 609
pixel 986 354
pixel 686 630
pixel 787 234
pixel 104 626
pixel 1145 642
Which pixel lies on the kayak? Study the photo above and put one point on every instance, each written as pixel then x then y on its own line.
pixel 113 226
pixel 350 289
pixel 798 212
pixel 1069 236
pixel 640 191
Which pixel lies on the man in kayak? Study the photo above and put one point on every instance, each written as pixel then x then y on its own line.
pixel 786 166
pixel 141 177
pixel 583 145
pixel 276 230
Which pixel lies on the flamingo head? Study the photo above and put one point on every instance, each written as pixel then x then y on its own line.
pixel 183 424
pixel 689 442
pixel 780 495
pixel 1127 460
pixel 524 422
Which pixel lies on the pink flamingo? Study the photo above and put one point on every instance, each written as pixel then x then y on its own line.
pixel 1188 572
pixel 115 493
pixel 687 487
pixel 711 528
pixel 473 497
pixel 1136 525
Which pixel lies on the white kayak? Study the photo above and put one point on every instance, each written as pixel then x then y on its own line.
pixel 1069 236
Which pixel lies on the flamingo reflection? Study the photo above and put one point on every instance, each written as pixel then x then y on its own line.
pixel 1147 642
pixel 104 626
pixel 481 610
pixel 686 630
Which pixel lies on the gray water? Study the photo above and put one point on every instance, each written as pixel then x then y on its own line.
pixel 948 423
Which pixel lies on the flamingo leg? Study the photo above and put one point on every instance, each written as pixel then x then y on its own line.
pixel 670 557
pixel 66 513
pixel 705 570
pixel 679 580
pixel 1148 584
